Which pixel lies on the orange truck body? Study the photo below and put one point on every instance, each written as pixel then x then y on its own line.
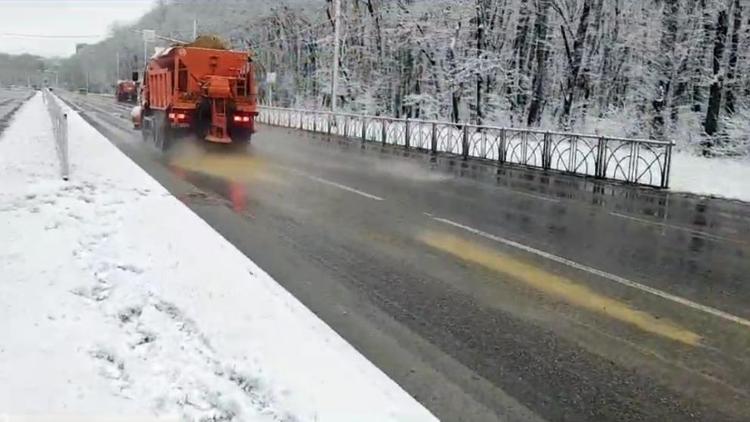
pixel 210 90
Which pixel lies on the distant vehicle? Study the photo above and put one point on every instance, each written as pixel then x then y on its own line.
pixel 202 87
pixel 126 91
pixel 83 91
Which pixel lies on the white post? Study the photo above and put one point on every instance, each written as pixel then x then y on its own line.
pixel 335 76
pixel 195 29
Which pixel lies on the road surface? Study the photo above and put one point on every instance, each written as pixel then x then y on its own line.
pixel 488 295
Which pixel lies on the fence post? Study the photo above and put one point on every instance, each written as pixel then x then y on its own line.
pixel 667 166
pixel 633 165
pixel 383 131
pixel 364 130
pixel 502 147
pixel 600 169
pixel 465 142
pixel 346 126
pixel 315 122
pixel 572 154
pixel 301 120
pixel 329 123
pixel 547 151
pixel 64 146
pixel 406 133
pixel 433 139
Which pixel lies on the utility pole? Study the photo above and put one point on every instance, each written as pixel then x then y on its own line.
pixel 117 66
pixel 336 30
pixel 195 29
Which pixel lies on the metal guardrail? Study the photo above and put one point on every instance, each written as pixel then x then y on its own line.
pixel 60 131
pixel 638 161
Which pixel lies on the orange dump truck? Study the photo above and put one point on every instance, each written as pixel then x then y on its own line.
pixel 126 91
pixel 207 91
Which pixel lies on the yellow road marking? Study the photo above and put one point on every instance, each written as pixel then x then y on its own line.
pixel 228 166
pixel 561 287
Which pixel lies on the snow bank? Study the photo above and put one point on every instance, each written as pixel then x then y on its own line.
pixel 117 302
pixel 724 177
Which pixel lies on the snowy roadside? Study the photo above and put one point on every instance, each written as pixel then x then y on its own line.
pixel 722 177
pixel 117 302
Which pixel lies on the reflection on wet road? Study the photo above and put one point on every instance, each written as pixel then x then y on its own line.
pixel 489 294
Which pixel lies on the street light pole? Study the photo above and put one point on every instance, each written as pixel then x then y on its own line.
pixel 335 76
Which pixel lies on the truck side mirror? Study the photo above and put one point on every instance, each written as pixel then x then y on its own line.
pixel 134 76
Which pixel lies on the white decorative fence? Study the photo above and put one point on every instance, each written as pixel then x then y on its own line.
pixel 638 161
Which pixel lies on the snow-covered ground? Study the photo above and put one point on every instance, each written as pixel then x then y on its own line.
pixel 723 177
pixel 118 303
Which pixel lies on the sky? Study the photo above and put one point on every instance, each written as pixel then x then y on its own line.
pixel 52 28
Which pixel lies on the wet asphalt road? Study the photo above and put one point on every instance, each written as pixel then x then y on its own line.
pixel 488 295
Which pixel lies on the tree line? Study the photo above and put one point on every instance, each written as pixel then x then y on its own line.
pixel 22 70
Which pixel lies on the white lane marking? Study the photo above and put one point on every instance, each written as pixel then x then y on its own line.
pixel 671 226
pixel 532 195
pixel 617 279
pixel 340 186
